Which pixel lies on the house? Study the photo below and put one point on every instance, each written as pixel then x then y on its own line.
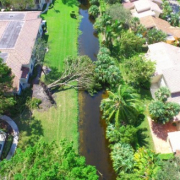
pixel 173 33
pixel 167 59
pixel 144 8
pixel 40 3
pixel 174 140
pixel 18 33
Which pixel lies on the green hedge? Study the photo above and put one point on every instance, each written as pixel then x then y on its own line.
pixel 166 156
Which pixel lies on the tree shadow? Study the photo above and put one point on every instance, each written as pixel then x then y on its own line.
pixel 53 75
pixel 140 119
pixel 70 3
pixel 145 94
pixel 56 11
pixel 142 137
pixel 30 130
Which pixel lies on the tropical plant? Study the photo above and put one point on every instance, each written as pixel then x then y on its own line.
pixel 137 27
pixel 94 11
pixel 122 157
pixel 121 107
pixel 118 12
pixel 138 71
pixel 113 1
pixel 162 94
pixel 6 80
pixel 153 36
pixel 174 19
pixel 163 112
pixel 146 163
pixel 106 71
pixel 129 44
pixel 124 134
pixel 94 2
pixel 47 161
pixel 170 170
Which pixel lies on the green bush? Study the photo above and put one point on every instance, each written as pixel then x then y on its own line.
pixel 123 158
pixel 162 94
pixel 94 11
pixel 166 156
pixel 94 2
pixel 34 103
pixel 163 112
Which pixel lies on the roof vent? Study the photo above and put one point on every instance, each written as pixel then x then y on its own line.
pixel 11 16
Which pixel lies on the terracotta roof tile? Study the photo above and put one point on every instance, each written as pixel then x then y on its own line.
pixel 160 24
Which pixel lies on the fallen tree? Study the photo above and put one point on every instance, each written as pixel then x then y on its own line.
pixel 78 73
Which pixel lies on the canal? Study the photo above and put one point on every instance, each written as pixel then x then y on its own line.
pixel 93 144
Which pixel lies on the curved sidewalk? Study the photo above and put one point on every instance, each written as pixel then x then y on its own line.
pixel 15 135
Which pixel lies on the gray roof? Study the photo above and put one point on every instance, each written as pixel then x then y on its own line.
pixel 167 58
pixel 8 39
pixel 172 78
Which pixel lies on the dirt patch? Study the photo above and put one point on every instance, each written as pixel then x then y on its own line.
pixel 160 135
pixel 39 93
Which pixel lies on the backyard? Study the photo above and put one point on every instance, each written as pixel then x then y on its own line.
pixel 57 122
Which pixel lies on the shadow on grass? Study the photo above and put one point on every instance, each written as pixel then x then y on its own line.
pixel 145 94
pixel 53 75
pixel 30 130
pixel 70 3
pixel 142 137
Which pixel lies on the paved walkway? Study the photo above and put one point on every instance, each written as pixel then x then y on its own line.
pixel 15 135
pixel 160 136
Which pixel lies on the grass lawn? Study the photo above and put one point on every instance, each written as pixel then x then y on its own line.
pixel 60 122
pixel 62 33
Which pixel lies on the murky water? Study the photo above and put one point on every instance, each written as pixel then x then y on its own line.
pixel 93 144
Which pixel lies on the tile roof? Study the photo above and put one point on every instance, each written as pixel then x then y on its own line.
pixel 160 24
pixel 146 5
pixel 128 5
pixel 20 53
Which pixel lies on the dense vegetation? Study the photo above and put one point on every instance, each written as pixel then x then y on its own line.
pixel 121 69
pixel 161 110
pixel 125 40
pixel 6 91
pixel 47 161
pixel 17 4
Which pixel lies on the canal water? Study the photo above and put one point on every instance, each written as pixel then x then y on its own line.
pixel 93 144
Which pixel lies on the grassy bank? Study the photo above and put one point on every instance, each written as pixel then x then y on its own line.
pixel 58 122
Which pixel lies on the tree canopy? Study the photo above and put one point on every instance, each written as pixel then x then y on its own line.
pixel 160 110
pixel 47 161
pixel 78 73
pixel 106 70
pixel 170 170
pixel 118 12
pixel 123 158
pixel 155 35
pixel 6 80
pixel 121 107
pixel 138 71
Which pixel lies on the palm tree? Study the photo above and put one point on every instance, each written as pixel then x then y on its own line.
pixel 121 107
